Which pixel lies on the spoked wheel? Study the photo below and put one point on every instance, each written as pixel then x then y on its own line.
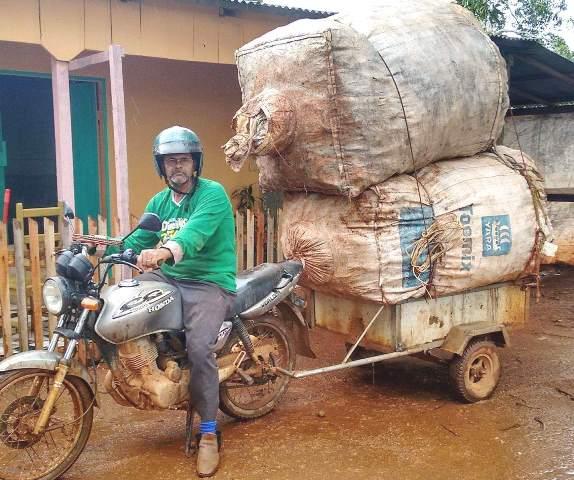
pixel 238 398
pixel 475 374
pixel 25 456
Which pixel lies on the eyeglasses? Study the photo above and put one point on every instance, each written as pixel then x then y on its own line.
pixel 173 161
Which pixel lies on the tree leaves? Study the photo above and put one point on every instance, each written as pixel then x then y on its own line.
pixel 530 19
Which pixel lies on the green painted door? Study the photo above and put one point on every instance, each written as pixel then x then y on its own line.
pixel 83 96
pixel 3 163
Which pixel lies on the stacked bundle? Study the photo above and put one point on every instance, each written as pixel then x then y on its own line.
pixel 338 106
pixel 458 224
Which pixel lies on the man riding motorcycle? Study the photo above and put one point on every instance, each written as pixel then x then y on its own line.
pixel 196 254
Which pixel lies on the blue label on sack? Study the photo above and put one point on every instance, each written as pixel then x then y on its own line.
pixel 412 224
pixel 496 235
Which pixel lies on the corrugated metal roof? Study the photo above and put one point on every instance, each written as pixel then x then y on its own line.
pixel 538 76
pixel 281 9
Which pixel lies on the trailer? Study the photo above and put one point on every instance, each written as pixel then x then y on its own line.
pixel 462 331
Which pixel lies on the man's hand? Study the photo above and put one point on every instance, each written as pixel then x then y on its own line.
pixel 153 258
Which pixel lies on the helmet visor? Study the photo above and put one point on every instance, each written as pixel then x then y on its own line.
pixel 178 146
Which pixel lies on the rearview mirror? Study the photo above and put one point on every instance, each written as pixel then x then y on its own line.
pixel 150 222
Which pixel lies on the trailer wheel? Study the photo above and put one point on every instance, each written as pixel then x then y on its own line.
pixel 475 374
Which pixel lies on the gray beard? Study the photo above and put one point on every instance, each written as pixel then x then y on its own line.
pixel 176 187
pixel 176 183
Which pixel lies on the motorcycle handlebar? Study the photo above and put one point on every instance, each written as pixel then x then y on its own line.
pixel 127 257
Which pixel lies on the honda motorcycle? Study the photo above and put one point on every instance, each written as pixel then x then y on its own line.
pixel 47 396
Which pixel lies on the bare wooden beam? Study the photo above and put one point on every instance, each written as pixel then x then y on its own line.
pixel 120 142
pixel 546 68
pixel 63 130
pixel 88 60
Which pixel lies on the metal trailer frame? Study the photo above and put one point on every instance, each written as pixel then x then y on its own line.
pixel 454 343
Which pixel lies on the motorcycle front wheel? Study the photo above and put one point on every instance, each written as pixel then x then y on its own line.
pixel 242 400
pixel 25 456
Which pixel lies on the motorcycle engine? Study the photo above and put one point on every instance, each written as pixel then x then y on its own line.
pixel 142 382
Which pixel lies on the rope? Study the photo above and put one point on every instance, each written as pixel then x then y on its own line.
pixel 439 238
pixel 415 172
pixel 535 183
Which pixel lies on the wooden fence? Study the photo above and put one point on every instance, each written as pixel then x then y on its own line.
pixel 30 258
pixel 257 238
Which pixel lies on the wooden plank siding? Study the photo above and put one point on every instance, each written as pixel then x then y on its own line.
pixel 171 29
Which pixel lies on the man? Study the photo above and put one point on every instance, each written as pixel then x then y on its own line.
pixel 196 254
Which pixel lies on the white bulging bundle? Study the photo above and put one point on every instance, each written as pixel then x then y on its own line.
pixel 337 105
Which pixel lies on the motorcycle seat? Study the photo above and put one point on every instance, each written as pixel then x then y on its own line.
pixel 255 284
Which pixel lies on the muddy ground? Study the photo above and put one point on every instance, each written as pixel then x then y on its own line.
pixel 397 421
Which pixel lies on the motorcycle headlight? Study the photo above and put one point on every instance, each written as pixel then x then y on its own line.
pixel 57 295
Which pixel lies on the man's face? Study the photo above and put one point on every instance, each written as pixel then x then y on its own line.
pixel 179 169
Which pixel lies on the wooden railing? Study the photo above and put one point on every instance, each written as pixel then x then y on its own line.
pixel 30 258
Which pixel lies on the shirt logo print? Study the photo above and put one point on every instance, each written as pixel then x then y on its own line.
pixel 169 228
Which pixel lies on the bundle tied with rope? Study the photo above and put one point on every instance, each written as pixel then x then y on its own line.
pixel 356 98
pixel 460 224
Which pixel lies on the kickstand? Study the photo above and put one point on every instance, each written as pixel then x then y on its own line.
pixel 189 444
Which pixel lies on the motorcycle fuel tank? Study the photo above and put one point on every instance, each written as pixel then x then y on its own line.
pixel 135 308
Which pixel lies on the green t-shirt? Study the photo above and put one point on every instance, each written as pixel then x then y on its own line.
pixel 203 226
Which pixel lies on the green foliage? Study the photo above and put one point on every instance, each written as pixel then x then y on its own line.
pixel 531 19
pixel 558 45
pixel 491 13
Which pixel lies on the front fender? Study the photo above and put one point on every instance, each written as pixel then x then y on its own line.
pixel 44 360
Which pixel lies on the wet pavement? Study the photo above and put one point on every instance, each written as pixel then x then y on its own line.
pixel 397 421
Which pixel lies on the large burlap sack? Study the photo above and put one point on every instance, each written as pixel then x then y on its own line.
pixel 339 104
pixel 458 225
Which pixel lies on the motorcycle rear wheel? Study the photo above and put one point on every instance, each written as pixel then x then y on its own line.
pixel 25 456
pixel 242 401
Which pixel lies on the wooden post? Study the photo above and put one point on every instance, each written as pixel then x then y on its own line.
pixel 93 230
pixel 102 226
pixel 270 236
pixel 49 249
pixel 250 238
pixel 5 292
pixel 260 236
pixel 120 142
pixel 36 284
pixel 239 240
pixel 78 225
pixel 63 131
pixel 116 269
pixel 20 284
pixel 92 226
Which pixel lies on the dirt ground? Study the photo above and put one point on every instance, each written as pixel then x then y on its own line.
pixel 397 421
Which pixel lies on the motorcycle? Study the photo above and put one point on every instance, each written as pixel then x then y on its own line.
pixel 47 398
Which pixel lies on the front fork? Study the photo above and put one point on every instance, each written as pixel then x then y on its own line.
pixel 61 371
